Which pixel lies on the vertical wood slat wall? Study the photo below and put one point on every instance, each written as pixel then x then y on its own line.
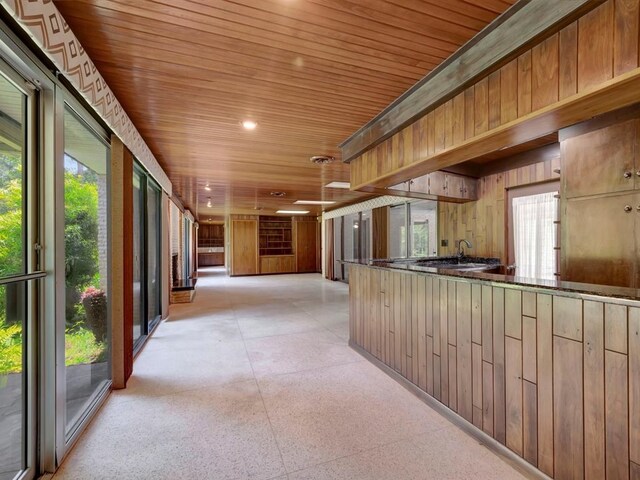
pixel 601 45
pixel 554 378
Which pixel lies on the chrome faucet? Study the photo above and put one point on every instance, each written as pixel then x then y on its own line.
pixel 460 250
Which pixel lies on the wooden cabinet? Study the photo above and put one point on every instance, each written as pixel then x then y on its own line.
pixel 306 246
pixel 244 247
pixel 601 239
pixel 277 264
pixel 210 259
pixel 601 161
pixel 600 202
pixel 444 185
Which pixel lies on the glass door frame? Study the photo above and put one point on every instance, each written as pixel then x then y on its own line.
pixel 63 441
pixel 32 271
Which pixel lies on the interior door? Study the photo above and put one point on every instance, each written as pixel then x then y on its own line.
pixel 245 247
pixel 306 246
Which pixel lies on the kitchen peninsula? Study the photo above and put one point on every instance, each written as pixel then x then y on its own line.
pixel 550 369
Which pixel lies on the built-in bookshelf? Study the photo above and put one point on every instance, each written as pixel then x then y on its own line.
pixel 275 235
pixel 210 236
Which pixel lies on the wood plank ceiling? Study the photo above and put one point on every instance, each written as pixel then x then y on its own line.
pixel 310 72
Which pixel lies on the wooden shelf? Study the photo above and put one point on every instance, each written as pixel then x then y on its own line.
pixel 275 236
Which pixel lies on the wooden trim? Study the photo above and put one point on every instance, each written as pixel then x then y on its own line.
pixel 499 41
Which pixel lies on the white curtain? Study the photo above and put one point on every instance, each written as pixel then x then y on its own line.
pixel 534 235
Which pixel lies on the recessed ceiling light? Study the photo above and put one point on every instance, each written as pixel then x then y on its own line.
pixel 207 187
pixel 277 194
pixel 249 124
pixel 294 212
pixel 313 202
pixel 346 185
pixel 209 202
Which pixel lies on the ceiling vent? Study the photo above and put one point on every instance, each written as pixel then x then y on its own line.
pixel 322 159
pixel 278 194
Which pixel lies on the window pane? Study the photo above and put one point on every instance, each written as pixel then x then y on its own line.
pixel 424 218
pixel 13 372
pixel 12 154
pixel 138 299
pixel 153 251
pixel 337 248
pixel 398 231
pixel 351 236
pixel 534 235
pixel 365 235
pixel 85 210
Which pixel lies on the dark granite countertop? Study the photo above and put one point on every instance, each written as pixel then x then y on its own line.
pixel 572 287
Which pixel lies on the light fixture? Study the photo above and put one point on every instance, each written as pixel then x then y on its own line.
pixel 249 124
pixel 355 225
pixel 313 202
pixel 207 187
pixel 294 212
pixel 346 185
pixel 209 202
pixel 322 159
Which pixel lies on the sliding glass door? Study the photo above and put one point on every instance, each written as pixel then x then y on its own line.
pixel 146 255
pixel 86 340
pixel 18 276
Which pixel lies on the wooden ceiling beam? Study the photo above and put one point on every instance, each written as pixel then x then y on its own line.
pixel 509 34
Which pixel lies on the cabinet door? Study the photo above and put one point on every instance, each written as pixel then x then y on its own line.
pixel 470 188
pixel 403 187
pixel 600 240
pixel 420 184
pixel 455 185
pixel 306 246
pixel 602 161
pixel 438 184
pixel 244 248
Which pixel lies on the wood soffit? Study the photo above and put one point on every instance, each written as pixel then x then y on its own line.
pixel 516 30
pixel 310 72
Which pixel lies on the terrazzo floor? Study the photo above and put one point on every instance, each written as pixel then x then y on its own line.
pixel 255 380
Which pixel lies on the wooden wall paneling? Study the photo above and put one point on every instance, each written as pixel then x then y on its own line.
pixel 568 408
pixel 452 323
pixel 625 46
pixel 595 46
pixel 444 341
pixel 545 383
pixel 439 129
pixel 415 330
pixel 530 421
pixel 431 132
pixel 469 113
pixel 487 323
pixel 476 388
pixel 453 373
pixel 366 313
pixel 389 295
pixel 544 73
pixel 513 389
pixel 524 84
pixel 499 395
pixel 420 314
pixel 567 317
pixel 494 100
pixel 568 58
pixel 529 349
pixel 634 385
pixel 458 119
pixel 397 155
pixel 487 398
pixel 509 92
pixel 464 365
pixel 481 106
pixel 397 321
pixel 617 415
pixel 448 123
pixel 408 329
pixel 594 411
pixel 513 313
pixel 635 471
pixel 380 232
pixel 615 328
pixel 476 313
pixel 429 332
pixel 423 139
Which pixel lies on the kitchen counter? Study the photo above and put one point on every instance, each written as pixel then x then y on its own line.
pixel 513 280
pixel 551 370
